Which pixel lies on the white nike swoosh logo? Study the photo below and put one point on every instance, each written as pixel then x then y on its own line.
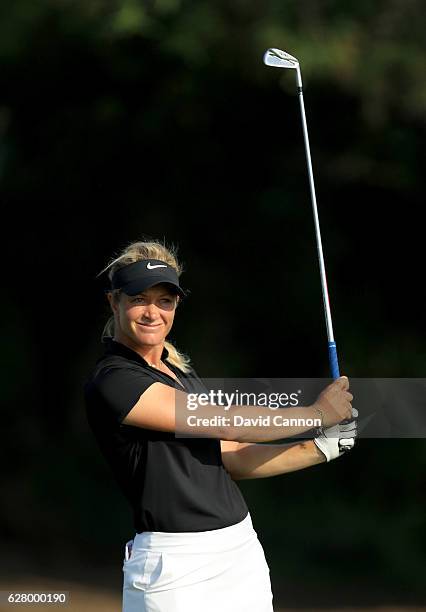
pixel 151 267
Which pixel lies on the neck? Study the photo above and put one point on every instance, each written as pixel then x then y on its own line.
pixel 151 354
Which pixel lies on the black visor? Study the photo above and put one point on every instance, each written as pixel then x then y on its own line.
pixel 136 277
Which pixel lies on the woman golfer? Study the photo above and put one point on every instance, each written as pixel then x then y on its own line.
pixel 195 549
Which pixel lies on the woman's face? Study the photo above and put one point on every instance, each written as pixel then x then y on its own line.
pixel 146 318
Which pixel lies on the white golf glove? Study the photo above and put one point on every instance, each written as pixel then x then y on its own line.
pixel 336 440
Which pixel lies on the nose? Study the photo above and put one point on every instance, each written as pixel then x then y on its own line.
pixel 150 312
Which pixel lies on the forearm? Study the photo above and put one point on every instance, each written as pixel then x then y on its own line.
pixel 264 460
pixel 261 424
pixel 243 423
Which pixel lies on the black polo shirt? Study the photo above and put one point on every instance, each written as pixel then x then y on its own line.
pixel 173 484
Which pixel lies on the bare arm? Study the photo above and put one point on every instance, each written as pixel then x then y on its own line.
pixel 244 461
pixel 164 408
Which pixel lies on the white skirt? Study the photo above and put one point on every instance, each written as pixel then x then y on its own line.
pixel 223 570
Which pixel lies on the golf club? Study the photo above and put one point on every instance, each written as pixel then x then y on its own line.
pixel 281 59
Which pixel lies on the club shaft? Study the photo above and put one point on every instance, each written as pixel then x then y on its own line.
pixel 331 343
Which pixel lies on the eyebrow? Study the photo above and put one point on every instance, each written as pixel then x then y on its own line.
pixel 165 294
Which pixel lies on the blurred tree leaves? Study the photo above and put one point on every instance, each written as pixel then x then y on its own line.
pixel 374 50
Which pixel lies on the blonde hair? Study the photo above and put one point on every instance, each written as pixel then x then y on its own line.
pixel 136 251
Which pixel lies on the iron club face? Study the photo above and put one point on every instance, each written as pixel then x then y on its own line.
pixel 279 59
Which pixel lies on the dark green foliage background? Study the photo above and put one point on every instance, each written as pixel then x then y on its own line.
pixel 120 120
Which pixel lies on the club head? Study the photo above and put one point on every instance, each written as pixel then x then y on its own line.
pixel 279 59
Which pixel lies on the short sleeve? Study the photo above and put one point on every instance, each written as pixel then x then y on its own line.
pixel 119 389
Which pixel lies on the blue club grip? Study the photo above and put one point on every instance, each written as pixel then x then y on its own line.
pixel 334 363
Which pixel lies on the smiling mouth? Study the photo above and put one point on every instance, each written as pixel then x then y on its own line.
pixel 150 326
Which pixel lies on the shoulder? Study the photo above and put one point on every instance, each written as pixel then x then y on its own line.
pixel 112 371
pixel 114 388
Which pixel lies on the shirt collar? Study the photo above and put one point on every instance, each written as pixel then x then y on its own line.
pixel 117 348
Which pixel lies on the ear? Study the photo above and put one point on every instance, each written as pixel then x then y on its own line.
pixel 112 303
